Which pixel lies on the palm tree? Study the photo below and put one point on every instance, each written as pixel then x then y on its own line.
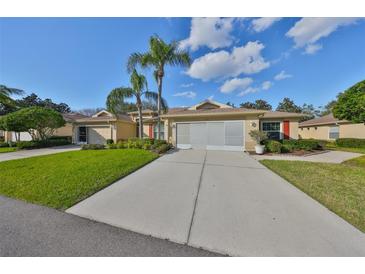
pixel 138 89
pixel 6 92
pixel 159 55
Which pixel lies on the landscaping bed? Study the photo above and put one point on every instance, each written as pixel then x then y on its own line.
pixel 339 187
pixel 63 179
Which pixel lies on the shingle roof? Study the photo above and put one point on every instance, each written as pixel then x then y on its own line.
pixel 265 113
pixel 324 120
pixel 72 116
pixel 118 117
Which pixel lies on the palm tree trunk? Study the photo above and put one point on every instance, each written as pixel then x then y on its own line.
pixel 140 122
pixel 159 84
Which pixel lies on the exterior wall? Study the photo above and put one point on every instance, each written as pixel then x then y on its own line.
pixel 293 126
pixel 124 131
pixel 106 134
pixel 64 131
pixel 252 123
pixel 352 131
pixel 319 132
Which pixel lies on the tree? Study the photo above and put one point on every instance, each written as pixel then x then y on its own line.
pixel 351 104
pixel 159 55
pixel 258 104
pixel 288 105
pixel 33 100
pixel 230 104
pixel 138 89
pixel 7 104
pixel 39 122
pixel 310 111
pixel 327 109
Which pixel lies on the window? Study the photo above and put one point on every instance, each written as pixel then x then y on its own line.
pixel 162 129
pixel 272 129
pixel 82 134
pixel 334 132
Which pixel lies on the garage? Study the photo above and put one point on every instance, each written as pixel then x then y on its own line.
pixel 98 135
pixel 217 135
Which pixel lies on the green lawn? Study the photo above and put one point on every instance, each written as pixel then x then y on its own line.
pixel 339 187
pixel 61 180
pixel 332 146
pixel 7 149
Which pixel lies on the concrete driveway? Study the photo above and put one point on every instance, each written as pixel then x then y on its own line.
pixel 225 202
pixel 36 152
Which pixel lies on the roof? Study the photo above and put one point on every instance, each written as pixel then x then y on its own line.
pixel 324 120
pixel 144 111
pixel 105 116
pixel 209 102
pixel 72 116
pixel 178 112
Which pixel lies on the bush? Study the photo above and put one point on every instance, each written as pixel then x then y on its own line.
pixel 273 146
pixel 42 144
pixel 258 135
pixel 286 148
pixel 112 146
pixel 66 138
pixel 163 148
pixel 304 144
pixel 2 139
pixel 2 144
pixel 92 147
pixel 351 142
pixel 109 141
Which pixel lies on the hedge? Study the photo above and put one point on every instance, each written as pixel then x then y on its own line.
pixel 350 142
pixel 42 144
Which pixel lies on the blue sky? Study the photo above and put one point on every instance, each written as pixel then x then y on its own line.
pixel 79 60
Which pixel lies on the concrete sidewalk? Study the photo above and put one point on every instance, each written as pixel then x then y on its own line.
pixel 36 152
pixel 335 157
pixel 225 202
pixel 32 230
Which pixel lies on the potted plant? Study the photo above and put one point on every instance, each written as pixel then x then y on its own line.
pixel 259 137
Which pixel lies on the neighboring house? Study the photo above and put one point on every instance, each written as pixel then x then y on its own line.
pixel 102 126
pixel 212 125
pixel 330 128
pixel 149 123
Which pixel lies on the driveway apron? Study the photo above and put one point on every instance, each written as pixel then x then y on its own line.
pixel 225 202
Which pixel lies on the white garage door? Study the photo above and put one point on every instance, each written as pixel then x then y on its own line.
pixel 222 135
pixel 98 135
pixel 23 136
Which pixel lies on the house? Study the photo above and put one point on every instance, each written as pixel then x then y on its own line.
pixel 330 128
pixel 207 125
pixel 212 125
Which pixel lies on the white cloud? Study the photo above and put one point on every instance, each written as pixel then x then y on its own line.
pixel 247 91
pixel 211 97
pixel 263 23
pixel 307 31
pixel 235 83
pixel 187 94
pixel 266 85
pixel 312 48
pixel 188 85
pixel 282 75
pixel 211 32
pixel 222 64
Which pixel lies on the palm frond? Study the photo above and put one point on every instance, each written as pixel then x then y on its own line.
pixel 153 96
pixel 116 97
pixel 138 82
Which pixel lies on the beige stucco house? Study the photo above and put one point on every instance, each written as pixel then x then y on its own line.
pixel 330 128
pixel 212 125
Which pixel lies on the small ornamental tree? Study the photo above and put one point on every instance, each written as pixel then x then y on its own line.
pixel 39 122
pixel 258 135
pixel 351 104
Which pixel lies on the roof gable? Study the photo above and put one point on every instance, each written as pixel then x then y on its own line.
pixel 209 104
pixel 103 113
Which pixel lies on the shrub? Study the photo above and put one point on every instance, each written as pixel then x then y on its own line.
pixel 159 142
pixel 258 135
pixel 42 144
pixel 109 141
pixel 162 148
pixel 2 144
pixel 2 139
pixel 66 138
pixel 112 146
pixel 287 148
pixel 92 147
pixel 146 146
pixel 304 144
pixel 273 146
pixel 350 142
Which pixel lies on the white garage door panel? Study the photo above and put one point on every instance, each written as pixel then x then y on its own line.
pixel 220 135
pixel 198 135
pixel 23 136
pixel 98 135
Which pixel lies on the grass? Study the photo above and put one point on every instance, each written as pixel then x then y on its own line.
pixel 339 187
pixel 7 149
pixel 61 180
pixel 333 146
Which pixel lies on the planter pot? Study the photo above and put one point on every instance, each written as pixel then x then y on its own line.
pixel 259 149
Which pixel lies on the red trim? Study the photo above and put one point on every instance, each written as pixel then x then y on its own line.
pixel 150 131
pixel 286 129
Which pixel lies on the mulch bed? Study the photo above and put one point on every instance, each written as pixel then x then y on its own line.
pixel 294 153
